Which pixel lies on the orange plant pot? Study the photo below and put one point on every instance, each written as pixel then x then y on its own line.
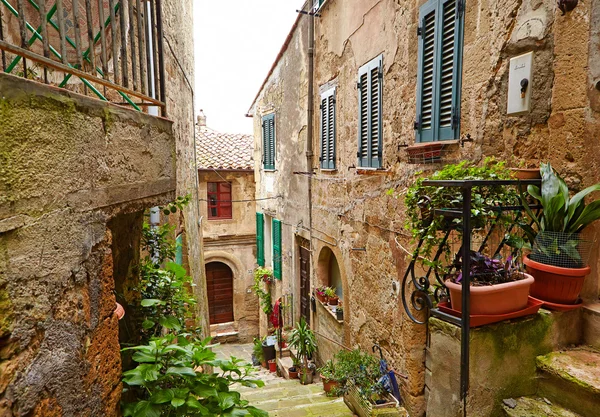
pixel 329 384
pixel 272 365
pixel 493 299
pixel 555 284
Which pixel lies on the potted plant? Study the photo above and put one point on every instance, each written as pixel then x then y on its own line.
pixel 329 377
pixel 526 171
pixel 320 293
pixel 497 287
pixel 339 313
pixel 268 352
pixel 558 253
pixel 293 370
pixel 258 357
pixel 262 278
pixel 332 298
pixel 303 340
pixel 273 365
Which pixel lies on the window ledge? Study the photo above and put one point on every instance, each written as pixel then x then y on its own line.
pixel 331 313
pixel 373 171
pixel 428 152
pixel 329 170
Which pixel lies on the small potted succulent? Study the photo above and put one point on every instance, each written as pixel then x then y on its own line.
pixel 497 287
pixel 303 339
pixel 339 313
pixel 329 378
pixel 332 298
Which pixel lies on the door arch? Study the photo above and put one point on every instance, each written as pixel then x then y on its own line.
pixel 219 289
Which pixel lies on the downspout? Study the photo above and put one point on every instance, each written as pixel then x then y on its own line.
pixel 152 110
pixel 310 113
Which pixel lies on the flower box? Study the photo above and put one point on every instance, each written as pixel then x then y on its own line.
pixel 364 408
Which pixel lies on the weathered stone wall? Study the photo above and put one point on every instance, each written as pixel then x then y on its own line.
pixel 233 242
pixel 352 206
pixel 285 94
pixel 69 165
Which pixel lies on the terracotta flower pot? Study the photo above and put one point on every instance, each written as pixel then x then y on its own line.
pixel 329 384
pixel 493 299
pixel 333 301
pixel 120 311
pixel 556 284
pixel 272 365
pixel 526 173
pixel 293 374
pixel 321 297
pixel 264 364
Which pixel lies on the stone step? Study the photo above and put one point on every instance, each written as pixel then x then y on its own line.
pixel 534 406
pixel 571 378
pixel 591 325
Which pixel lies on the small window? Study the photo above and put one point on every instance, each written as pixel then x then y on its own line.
pixel 327 157
pixel 439 73
pixel 370 88
pixel 219 200
pixel 268 134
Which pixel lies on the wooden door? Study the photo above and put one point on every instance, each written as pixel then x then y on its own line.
pixel 219 283
pixel 305 283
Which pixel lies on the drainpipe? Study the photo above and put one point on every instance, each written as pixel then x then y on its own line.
pixel 310 113
pixel 152 110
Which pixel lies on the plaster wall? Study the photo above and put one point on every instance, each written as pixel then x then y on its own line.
pixel 70 165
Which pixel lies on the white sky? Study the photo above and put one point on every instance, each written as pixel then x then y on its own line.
pixel 235 43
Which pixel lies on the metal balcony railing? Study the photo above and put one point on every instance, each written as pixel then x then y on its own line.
pixel 110 49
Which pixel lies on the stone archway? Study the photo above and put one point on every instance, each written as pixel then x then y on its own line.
pixel 219 291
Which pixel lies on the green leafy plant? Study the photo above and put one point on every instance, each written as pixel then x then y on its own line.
pixel 330 292
pixel 257 350
pixel 168 381
pixel 361 368
pixel 561 221
pixel 179 203
pixel 303 339
pixel 262 278
pixel 421 202
pixel 328 370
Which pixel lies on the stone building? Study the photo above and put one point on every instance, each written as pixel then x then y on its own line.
pixel 226 192
pixel 381 115
pixel 83 154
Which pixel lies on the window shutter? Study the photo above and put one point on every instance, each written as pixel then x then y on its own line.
pixel 440 61
pixel 277 248
pixel 179 249
pixel 328 130
pixel 370 83
pixel 268 132
pixel 260 240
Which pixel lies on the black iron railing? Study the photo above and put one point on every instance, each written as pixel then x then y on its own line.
pixel 428 289
pixel 111 49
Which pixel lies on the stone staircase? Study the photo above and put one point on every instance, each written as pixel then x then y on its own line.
pixel 289 398
pixel 568 381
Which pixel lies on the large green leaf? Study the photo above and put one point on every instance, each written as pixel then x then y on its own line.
pixel 550 184
pixel 150 302
pixel 228 399
pixel 170 323
pixel 579 198
pixel 554 213
pixel 255 412
pixel 204 391
pixel 177 402
pixel 590 213
pixel 181 370
pixel 162 396
pixel 146 409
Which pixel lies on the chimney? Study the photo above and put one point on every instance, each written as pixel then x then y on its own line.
pixel 201 119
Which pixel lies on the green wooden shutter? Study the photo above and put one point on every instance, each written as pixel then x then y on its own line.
pixel 277 248
pixel 439 70
pixel 268 133
pixel 260 240
pixel 370 83
pixel 328 129
pixel 179 249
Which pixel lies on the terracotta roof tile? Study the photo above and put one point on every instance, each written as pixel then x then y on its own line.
pixel 218 150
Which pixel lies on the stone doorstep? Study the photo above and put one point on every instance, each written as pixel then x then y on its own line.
pixel 535 406
pixel 591 325
pixel 571 378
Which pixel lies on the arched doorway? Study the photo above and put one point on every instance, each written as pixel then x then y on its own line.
pixel 328 271
pixel 219 289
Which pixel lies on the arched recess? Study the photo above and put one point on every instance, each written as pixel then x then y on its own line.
pixel 329 272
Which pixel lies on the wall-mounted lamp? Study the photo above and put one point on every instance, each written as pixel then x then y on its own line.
pixel 567 5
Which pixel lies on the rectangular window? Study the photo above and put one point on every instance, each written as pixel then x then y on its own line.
pixel 260 240
pixel 268 134
pixel 370 87
pixel 439 72
pixel 277 248
pixel 219 200
pixel 327 157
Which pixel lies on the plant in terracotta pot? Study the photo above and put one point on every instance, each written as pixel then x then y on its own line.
pixel 273 365
pixel 293 370
pixel 497 287
pixel 329 378
pixel 332 298
pixel 523 170
pixel 303 340
pixel 320 293
pixel 558 258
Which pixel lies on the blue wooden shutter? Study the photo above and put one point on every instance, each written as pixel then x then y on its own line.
pixel 439 70
pixel 268 133
pixel 260 240
pixel 370 87
pixel 277 248
pixel 328 130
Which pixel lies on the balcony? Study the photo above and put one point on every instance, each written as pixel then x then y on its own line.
pixel 109 49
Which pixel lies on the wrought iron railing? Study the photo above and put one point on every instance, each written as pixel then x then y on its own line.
pixel 428 288
pixel 111 49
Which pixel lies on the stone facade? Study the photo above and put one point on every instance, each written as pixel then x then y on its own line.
pixel 76 176
pixel 352 214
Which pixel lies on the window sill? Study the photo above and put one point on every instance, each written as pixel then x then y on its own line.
pixel 373 171
pixel 428 152
pixel 269 170
pixel 221 219
pixel 329 170
pixel 327 308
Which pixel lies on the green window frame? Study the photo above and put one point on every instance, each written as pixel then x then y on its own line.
pixel 328 130
pixel 260 239
pixel 441 32
pixel 277 248
pixel 370 138
pixel 268 136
